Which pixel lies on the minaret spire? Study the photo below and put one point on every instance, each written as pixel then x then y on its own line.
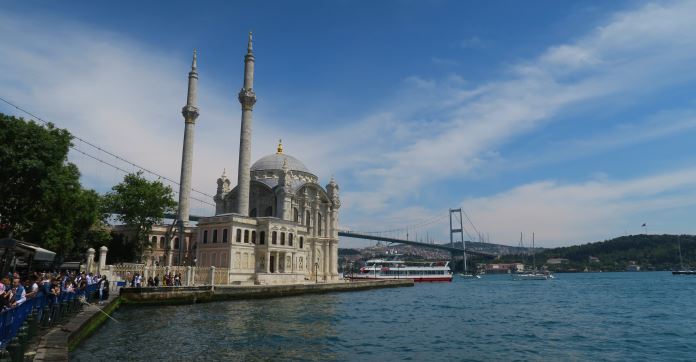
pixel 250 48
pixel 247 98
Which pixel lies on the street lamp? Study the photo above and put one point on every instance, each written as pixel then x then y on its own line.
pixel 316 273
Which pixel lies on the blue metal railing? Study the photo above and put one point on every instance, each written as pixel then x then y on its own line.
pixel 11 320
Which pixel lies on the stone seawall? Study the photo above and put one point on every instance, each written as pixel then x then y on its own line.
pixel 187 295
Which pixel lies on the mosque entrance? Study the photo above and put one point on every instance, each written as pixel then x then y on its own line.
pixel 272 266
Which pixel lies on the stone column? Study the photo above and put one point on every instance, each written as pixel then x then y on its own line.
pixel 332 262
pixel 188 276
pixel 212 276
pixel 90 260
pixel 327 263
pixel 268 261
pixel 277 262
pixel 102 259
pixel 292 262
pixel 334 257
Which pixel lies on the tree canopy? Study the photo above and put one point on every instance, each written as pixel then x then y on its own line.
pixel 41 198
pixel 139 204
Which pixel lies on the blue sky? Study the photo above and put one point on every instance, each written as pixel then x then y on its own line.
pixel 573 120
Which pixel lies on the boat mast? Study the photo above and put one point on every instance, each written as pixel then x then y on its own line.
pixel 533 254
pixel 681 262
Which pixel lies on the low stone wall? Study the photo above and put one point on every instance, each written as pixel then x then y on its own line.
pixel 56 343
pixel 186 295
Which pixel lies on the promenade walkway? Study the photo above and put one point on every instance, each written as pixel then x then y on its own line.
pixel 20 325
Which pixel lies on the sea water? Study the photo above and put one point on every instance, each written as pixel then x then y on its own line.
pixel 589 316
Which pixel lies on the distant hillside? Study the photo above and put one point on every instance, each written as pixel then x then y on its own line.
pixel 651 252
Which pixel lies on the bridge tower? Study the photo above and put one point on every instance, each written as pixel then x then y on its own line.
pixel 247 98
pixel 190 113
pixel 454 216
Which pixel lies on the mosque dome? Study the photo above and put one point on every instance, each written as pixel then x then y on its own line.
pixel 275 162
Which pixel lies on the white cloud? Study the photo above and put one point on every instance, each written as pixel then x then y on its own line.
pixel 571 213
pixel 471 42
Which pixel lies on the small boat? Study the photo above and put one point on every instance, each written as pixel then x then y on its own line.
pixel 399 269
pixel 533 274
pixel 469 276
pixel 681 270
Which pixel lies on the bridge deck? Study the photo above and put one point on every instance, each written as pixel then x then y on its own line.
pixel 444 247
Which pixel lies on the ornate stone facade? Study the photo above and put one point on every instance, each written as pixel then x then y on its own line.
pixel 278 225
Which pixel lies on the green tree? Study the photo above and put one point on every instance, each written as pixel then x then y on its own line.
pixel 41 199
pixel 139 204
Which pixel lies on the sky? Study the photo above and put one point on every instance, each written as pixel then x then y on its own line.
pixel 573 120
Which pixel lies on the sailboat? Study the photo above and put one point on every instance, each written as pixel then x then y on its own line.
pixel 681 270
pixel 533 274
pixel 465 274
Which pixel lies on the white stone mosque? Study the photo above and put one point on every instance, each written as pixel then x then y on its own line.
pixel 277 226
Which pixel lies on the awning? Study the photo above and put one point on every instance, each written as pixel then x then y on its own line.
pixel 39 253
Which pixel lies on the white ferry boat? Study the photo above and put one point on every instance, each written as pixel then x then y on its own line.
pixel 398 269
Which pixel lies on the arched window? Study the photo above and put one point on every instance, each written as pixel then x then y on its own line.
pixel 205 236
pixel 307 218
pixel 239 236
pixel 319 224
pixel 161 242
pixel 262 239
pixel 224 235
pixel 153 242
pixel 253 237
pixel 269 211
pixel 215 235
pixel 253 212
pixel 290 239
pixel 301 242
pixel 176 243
pixel 282 238
pixel 295 214
pixel 246 236
pixel 274 238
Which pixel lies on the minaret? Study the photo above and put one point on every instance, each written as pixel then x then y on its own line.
pixel 190 112
pixel 247 98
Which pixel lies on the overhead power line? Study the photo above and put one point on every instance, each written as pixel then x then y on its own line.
pixel 105 151
pixel 127 172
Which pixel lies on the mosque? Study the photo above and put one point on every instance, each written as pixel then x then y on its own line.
pixel 278 225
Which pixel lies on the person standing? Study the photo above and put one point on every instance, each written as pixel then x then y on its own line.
pixel 20 296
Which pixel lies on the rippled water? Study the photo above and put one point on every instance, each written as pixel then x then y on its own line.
pixel 599 316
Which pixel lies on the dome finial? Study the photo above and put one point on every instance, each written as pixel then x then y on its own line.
pixel 280 146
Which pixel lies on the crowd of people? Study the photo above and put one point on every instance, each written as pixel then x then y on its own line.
pixel 14 292
pixel 168 280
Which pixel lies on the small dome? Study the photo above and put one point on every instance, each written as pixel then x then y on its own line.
pixel 275 162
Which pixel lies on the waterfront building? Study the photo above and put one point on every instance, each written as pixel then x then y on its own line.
pixel 159 247
pixel 278 225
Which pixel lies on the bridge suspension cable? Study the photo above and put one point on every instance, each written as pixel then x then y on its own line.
pixel 423 223
pixel 100 149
